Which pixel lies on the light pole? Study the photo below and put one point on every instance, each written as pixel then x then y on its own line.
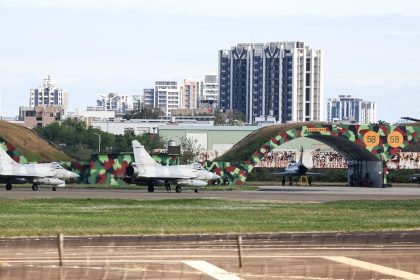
pixel 99 142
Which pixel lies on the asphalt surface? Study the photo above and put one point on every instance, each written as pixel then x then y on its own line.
pixel 264 256
pixel 265 193
pixel 393 255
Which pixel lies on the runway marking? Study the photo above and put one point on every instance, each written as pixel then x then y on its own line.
pixel 212 270
pixel 375 267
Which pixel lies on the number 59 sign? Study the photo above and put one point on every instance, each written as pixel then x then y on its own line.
pixel 395 139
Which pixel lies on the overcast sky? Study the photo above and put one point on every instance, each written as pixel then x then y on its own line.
pixel 371 47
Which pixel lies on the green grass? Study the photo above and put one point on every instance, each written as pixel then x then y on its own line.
pixel 35 217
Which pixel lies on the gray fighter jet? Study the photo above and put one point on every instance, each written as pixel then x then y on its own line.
pixel 296 169
pixel 52 173
pixel 144 170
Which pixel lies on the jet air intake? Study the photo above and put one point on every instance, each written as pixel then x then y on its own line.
pixel 302 169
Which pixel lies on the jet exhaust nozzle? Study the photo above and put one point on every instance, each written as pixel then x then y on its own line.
pixel 131 171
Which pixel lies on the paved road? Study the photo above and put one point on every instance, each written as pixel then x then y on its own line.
pixel 267 193
pixel 273 256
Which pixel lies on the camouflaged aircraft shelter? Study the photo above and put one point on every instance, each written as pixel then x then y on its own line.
pixel 365 147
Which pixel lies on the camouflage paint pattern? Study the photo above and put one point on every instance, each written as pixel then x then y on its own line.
pixel 12 152
pixel 110 169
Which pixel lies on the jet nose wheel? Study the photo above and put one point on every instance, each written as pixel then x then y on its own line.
pixel 196 190
pixel 8 187
pixel 54 189
pixel 178 189
pixel 151 189
pixel 34 187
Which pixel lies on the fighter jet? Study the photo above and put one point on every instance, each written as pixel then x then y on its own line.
pixel 296 169
pixel 144 170
pixel 52 173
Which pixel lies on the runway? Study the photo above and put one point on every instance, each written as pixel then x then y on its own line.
pixel 264 256
pixel 265 193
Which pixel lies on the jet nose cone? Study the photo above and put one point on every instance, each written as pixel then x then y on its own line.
pixel 74 175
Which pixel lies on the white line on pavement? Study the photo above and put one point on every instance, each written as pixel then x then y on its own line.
pixel 212 270
pixel 375 267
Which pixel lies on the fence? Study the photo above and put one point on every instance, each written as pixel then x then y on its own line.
pixel 392 255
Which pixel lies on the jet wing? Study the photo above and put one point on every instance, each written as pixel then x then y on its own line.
pixel 314 174
pixel 285 173
pixel 160 177
pixel 292 173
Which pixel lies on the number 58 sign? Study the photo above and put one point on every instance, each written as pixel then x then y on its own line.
pixel 371 139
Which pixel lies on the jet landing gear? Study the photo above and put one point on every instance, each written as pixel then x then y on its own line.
pixel 54 188
pixel 151 188
pixel 34 187
pixel 168 187
pixel 8 186
pixel 178 188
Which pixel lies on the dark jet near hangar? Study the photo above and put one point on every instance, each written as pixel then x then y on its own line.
pixel 145 170
pixel 296 169
pixel 415 178
pixel 52 173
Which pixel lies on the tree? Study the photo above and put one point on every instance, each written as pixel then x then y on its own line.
pixel 229 117
pixel 80 141
pixel 76 139
pixel 190 150
pixel 144 112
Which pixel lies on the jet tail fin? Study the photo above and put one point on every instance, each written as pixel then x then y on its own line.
pixel 141 156
pixel 301 155
pixel 5 158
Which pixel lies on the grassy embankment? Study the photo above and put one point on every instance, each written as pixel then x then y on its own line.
pixel 33 147
pixel 36 217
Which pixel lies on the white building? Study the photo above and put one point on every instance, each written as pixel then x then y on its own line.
pixel 90 116
pixel 209 96
pixel 149 97
pixel 168 96
pixel 350 109
pixel 138 101
pixel 368 112
pixel 120 104
pixel 140 126
pixel 48 95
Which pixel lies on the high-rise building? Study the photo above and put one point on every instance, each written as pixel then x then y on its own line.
pixel 191 93
pixel 368 112
pixel 209 96
pixel 350 109
pixel 149 97
pixel 113 102
pixel 276 79
pixel 168 96
pixel 48 95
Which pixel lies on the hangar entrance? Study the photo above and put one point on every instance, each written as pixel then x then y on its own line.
pixel 364 169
